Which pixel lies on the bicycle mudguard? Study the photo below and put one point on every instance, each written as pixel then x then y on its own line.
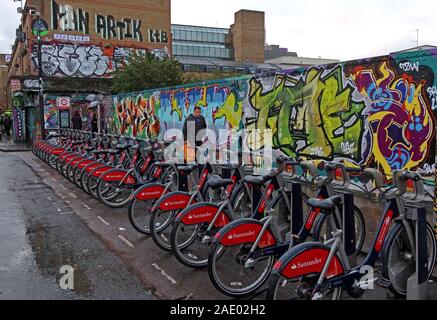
pixel 92 166
pixel 97 172
pixel 244 230
pixel 149 191
pixel 65 155
pixel 177 200
pixel 76 161
pixel 118 175
pixel 57 151
pixel 84 163
pixel 71 157
pixel 305 259
pixel 203 212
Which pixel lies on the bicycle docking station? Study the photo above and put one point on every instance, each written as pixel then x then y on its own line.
pixel 349 227
pixel 417 284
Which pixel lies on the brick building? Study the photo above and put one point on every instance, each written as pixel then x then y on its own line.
pixel 87 42
pixel 4 79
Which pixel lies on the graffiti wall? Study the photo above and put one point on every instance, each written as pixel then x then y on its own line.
pixel 152 113
pixel 73 60
pixel 377 112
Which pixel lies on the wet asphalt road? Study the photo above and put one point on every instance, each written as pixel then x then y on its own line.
pixel 46 222
pixel 39 234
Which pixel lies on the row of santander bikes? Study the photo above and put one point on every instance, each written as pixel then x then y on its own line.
pixel 253 233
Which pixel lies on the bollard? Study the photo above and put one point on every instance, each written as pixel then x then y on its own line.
pixel 297 208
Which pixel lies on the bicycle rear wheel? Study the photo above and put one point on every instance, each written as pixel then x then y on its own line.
pixel 281 288
pixel 230 276
pixel 322 231
pixel 161 227
pixel 187 242
pixel 139 214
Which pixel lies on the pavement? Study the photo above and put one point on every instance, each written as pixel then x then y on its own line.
pixel 50 223
pixel 7 145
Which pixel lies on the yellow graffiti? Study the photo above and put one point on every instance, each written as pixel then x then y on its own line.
pixel 231 110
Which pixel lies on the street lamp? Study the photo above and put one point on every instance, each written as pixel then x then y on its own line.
pixel 40 28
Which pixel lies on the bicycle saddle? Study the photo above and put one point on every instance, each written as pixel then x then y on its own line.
pixel 216 183
pixel 257 180
pixel 325 204
pixel 112 151
pixel 162 164
pixel 122 146
pixel 188 168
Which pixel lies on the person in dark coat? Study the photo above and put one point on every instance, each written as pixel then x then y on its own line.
pixel 199 122
pixel 94 127
pixel 77 121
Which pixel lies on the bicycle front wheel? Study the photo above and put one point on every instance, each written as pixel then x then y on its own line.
pixel 400 262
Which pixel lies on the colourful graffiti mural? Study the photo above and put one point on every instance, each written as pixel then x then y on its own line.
pixel 375 112
pixel 152 113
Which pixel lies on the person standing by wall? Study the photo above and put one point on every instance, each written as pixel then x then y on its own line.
pixel 94 126
pixel 199 123
pixel 7 124
pixel 77 121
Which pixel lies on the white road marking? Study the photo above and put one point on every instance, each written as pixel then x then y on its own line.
pixel 86 206
pixel 73 195
pixel 59 210
pixel 126 241
pixel 63 187
pixel 64 213
pixel 121 229
pixel 169 278
pixel 101 219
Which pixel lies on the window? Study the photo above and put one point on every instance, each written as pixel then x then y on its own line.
pixel 190 50
pixel 215 37
pixel 205 37
pixel 196 51
pixel 199 36
pixel 202 51
pixel 211 68
pixel 184 50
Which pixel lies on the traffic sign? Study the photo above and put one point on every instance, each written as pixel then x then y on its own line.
pixel 40 27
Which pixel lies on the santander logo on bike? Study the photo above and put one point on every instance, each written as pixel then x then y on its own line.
pixel 200 215
pixel 148 193
pixel 174 203
pixel 305 264
pixel 242 235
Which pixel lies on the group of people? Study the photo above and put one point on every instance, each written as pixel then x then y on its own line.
pixel 77 123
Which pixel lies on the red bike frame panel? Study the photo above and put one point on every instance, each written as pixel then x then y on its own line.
pixel 118 175
pixel 311 261
pixel 205 214
pixel 176 202
pixel 247 233
pixel 151 192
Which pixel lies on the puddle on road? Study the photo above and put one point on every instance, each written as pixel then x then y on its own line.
pixel 51 253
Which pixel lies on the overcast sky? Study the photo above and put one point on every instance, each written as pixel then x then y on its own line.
pixel 338 29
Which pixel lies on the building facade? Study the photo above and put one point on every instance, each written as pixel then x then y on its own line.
pixel 237 49
pixel 86 43
pixel 4 79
